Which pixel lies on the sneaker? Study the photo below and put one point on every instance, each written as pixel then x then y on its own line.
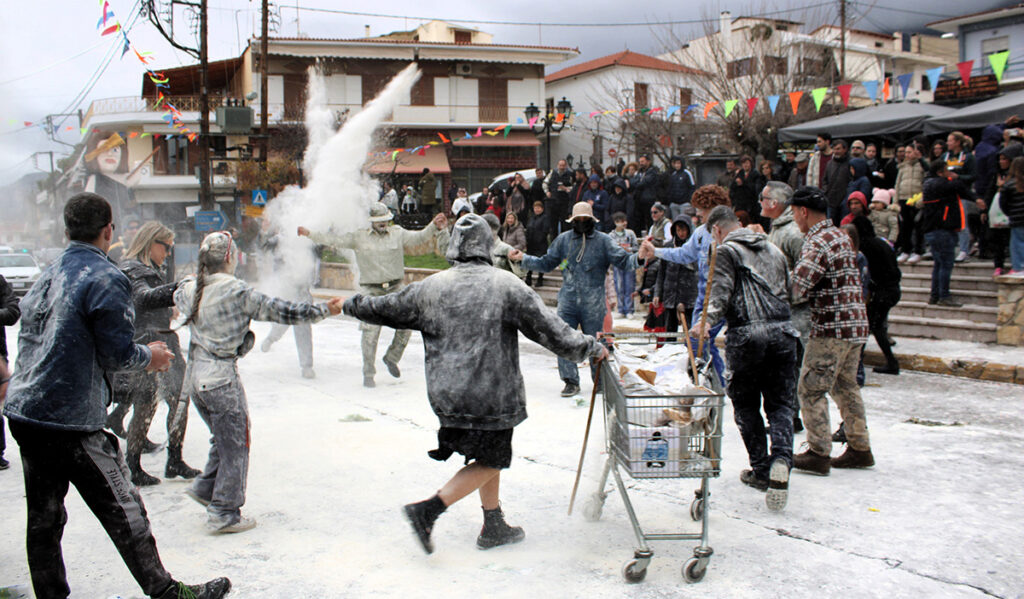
pixel 214 589
pixel 809 461
pixel 853 458
pixel 914 258
pixel 933 300
pixel 218 526
pixel 903 257
pixel 949 302
pixel 570 389
pixel 840 435
pixel 393 369
pixel 198 499
pixel 778 486
pixel 496 531
pixel 4 464
pixel 926 256
pixel 368 382
pixel 961 257
pixel 997 272
pixel 308 373
pixel 750 479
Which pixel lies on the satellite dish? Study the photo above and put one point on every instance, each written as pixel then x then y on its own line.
pixel 251 96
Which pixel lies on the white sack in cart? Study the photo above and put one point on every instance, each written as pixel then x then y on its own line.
pixel 662 372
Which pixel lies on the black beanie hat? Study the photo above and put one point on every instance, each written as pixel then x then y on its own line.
pixel 810 197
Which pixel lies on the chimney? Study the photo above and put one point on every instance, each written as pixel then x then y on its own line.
pixel 367 30
pixel 725 29
pixel 897 40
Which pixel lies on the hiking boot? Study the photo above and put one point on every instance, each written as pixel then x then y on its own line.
pixel 218 526
pixel 893 368
pixel 214 589
pixel 198 499
pixel 529 279
pixel 948 301
pixel 840 435
pixel 750 479
pixel 140 478
pixel 422 516
pixel 778 486
pixel 810 461
pixel 853 458
pixel 392 368
pixel 497 532
pixel 368 382
pixel 308 373
pixel 570 389
pixel 177 466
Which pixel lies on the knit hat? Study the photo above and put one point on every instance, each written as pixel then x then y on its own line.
pixel 811 198
pixel 857 197
pixel 883 195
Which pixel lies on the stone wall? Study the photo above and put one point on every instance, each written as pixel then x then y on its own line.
pixel 1010 322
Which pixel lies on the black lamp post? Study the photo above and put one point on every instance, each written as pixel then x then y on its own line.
pixel 548 122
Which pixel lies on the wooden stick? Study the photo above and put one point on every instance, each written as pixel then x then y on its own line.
pixel 143 163
pixel 689 350
pixel 586 436
pixel 707 298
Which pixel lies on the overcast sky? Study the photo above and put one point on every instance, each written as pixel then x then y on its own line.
pixel 53 59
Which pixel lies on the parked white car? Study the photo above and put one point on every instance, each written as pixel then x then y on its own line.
pixel 20 270
pixel 504 181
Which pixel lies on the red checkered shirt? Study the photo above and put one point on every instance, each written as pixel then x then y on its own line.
pixel 827 274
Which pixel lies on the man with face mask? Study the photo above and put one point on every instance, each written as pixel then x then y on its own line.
pixel 380 255
pixel 581 301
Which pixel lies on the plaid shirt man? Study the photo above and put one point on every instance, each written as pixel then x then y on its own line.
pixel 827 274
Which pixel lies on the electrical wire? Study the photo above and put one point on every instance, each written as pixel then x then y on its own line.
pixel 53 64
pixel 905 10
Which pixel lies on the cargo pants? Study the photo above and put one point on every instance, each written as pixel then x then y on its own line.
pixel 371 334
pixel 830 367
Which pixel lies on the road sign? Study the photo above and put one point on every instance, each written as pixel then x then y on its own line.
pixel 253 211
pixel 259 197
pixel 210 220
pixel 612 152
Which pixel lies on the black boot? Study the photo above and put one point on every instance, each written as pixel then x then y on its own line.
pixel 529 279
pixel 139 476
pixel 540 279
pixel 422 516
pixel 177 466
pixel 214 589
pixel 497 532
pixel 840 435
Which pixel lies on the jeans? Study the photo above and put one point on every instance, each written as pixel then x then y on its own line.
pixel 590 321
pixel 1017 248
pixel 625 282
pixel 222 483
pixel 943 244
pixel 964 236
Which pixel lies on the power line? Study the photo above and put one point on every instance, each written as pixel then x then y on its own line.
pixel 51 65
pixel 906 11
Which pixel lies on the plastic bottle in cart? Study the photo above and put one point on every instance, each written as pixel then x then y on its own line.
pixel 656 452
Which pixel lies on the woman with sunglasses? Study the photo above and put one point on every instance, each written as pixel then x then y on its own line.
pixel 153 298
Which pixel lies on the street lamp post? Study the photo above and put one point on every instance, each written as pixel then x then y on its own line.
pixel 548 122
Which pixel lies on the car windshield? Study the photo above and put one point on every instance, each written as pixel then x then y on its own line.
pixel 15 260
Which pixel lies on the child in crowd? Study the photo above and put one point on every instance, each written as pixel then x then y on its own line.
pixel 624 280
pixel 220 308
pixel 884 215
pixel 676 286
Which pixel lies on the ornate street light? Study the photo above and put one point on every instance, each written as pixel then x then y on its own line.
pixel 548 122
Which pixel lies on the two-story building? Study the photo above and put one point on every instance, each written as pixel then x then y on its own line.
pixel 989 32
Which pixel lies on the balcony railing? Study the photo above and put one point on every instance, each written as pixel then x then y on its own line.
pixel 137 104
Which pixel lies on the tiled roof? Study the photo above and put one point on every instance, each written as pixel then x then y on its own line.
pixel 374 40
pixel 626 59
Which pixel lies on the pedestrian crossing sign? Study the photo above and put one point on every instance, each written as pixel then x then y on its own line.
pixel 259 197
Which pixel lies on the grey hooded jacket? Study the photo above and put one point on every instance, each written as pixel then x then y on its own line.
pixel 470 317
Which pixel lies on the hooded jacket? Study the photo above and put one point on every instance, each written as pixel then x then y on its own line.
pixel 941 204
pixel 910 179
pixel 676 285
pixel 619 200
pixel 598 199
pixel 679 184
pixel 77 326
pixel 751 285
pixel 859 180
pixel 882 265
pixel 10 312
pixel 645 185
pixel 470 317
pixel 1010 152
pixel 986 158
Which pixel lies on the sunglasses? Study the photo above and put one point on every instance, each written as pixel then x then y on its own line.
pixel 167 246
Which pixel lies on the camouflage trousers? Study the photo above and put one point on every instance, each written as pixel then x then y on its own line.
pixel 371 335
pixel 830 367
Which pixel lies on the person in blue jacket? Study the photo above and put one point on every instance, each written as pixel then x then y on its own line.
pixel 598 198
pixel 77 328
pixel 587 254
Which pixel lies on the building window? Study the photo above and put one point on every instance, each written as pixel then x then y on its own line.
pixel 879 45
pixel 493 98
pixel 372 85
pixel 176 156
pixel 423 91
pixel 685 97
pixel 776 65
pixel 992 46
pixel 741 68
pixel 463 37
pixel 926 83
pixel 640 96
pixel 811 66
pixel 294 97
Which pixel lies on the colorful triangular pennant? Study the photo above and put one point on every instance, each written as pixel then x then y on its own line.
pixel 998 62
pixel 818 94
pixel 872 88
pixel 933 76
pixel 751 105
pixel 773 103
pixel 965 70
pixel 794 100
pixel 844 93
pixel 729 105
pixel 904 80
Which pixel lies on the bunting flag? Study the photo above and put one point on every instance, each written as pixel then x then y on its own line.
pixel 885 90
pixel 670 111
pixel 818 94
pixel 491 133
pixel 773 103
pixel 794 100
pixel 112 29
pixel 844 93
pixel 872 88
pixel 933 77
pixel 559 117
pixel 998 62
pixel 708 107
pixel 507 129
pixel 532 120
pixel 751 105
pixel 729 105
pixel 479 132
pixel 904 80
pixel 965 70
pixel 690 107
pixel 592 114
pixel 444 139
pixel 468 136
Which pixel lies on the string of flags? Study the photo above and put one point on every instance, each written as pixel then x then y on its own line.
pixel 889 87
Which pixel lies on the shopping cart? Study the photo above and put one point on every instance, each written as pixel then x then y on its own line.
pixel 646 451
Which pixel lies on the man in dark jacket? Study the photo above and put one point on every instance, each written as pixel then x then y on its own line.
pixel 837 178
pixel 557 186
pixel 537 238
pixel 9 314
pixel 743 191
pixel 645 185
pixel 941 221
pixel 470 317
pixel 77 327
pixel 751 291
pixel 883 289
pixel 679 186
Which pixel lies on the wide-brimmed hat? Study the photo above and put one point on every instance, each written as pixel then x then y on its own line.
pixel 581 209
pixel 379 213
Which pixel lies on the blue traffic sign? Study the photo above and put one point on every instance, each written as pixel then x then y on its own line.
pixel 210 220
pixel 259 197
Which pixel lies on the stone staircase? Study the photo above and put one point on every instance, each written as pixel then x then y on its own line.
pixel 971 284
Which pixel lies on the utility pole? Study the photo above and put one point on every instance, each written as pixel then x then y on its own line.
pixel 205 189
pixel 842 41
pixel 264 101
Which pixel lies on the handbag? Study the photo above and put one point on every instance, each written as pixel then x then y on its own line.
pixel 997 219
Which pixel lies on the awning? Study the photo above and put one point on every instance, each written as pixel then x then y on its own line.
pixel 514 139
pixel 977 116
pixel 407 163
pixel 881 119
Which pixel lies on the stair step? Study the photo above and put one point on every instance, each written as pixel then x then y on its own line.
pixel 974 267
pixel 933 328
pixel 978 298
pixel 957 282
pixel 969 312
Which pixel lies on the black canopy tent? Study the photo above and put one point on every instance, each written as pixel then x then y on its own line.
pixel 880 119
pixel 980 115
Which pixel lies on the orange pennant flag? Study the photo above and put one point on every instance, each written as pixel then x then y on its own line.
pixel 443 138
pixel 885 89
pixel 794 100
pixel 708 107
